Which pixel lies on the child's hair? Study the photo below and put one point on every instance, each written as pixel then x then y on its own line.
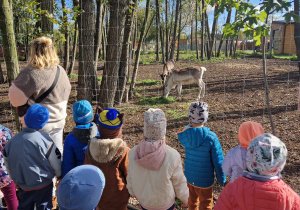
pixel 249 130
pixel 43 53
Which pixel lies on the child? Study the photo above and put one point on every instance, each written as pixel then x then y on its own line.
pixel 235 161
pixel 81 188
pixel 203 156
pixel 155 175
pixel 33 160
pixel 7 185
pixel 77 141
pixel 110 154
pixel 260 187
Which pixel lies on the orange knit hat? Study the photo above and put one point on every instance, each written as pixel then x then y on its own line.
pixel 248 131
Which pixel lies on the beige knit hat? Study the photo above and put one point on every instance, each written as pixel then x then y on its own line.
pixel 155 124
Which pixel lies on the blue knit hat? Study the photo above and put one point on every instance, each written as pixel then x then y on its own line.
pixel 36 116
pixel 81 188
pixel 82 112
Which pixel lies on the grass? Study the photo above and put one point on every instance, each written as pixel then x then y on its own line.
pixel 155 100
pixel 176 113
pixel 73 76
pixel 99 78
pixel 148 82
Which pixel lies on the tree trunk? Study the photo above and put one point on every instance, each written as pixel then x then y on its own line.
pixel 134 38
pixel 125 55
pixel 160 31
pixel 157 40
pixel 179 31
pixel 297 32
pixel 67 42
pixel 138 52
pixel 209 37
pixel 98 34
pixel 86 51
pixel 266 82
pixel 115 37
pixel 196 34
pixel 202 30
pixel 192 19
pixel 72 64
pixel 213 30
pixel 175 28
pixel 45 24
pixel 167 32
pixel 9 45
pixel 221 41
pixel 1 75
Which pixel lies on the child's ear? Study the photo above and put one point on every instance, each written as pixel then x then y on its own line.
pixel 121 116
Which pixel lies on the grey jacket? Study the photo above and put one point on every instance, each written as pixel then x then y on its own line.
pixel 32 159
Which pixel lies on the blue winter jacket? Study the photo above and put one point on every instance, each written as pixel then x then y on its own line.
pixel 203 156
pixel 75 145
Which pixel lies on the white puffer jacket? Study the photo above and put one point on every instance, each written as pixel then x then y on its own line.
pixel 157 188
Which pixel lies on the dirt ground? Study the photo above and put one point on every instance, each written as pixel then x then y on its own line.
pixel 234 93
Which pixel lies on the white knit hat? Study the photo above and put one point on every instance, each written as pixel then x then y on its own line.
pixel 155 124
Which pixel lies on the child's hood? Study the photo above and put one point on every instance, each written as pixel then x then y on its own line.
pixel 193 137
pixel 85 133
pixel 106 150
pixel 150 154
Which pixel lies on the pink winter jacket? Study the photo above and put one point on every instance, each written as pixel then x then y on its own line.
pixel 246 194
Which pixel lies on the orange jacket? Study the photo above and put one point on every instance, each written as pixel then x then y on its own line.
pixel 246 194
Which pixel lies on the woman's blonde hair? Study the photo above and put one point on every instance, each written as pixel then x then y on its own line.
pixel 43 53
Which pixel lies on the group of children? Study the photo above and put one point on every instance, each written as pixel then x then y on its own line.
pixel 98 169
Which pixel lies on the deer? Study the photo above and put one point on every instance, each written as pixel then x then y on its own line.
pixel 167 69
pixel 188 75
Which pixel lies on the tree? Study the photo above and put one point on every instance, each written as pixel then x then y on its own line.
pixel 71 67
pixel 213 30
pixel 67 39
pixel 222 37
pixel 86 50
pixel 114 48
pixel 255 21
pixel 138 52
pixel 202 29
pixel 167 31
pixel 98 34
pixel 9 44
pixel 47 9
pixel 125 55
pixel 175 28
pixel 196 30
pixel 297 31
pixel 160 30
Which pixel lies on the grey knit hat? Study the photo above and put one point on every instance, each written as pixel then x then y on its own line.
pixel 155 124
pixel 198 112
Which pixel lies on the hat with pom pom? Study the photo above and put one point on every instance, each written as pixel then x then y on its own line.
pixel 109 118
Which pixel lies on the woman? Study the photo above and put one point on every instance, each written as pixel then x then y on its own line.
pixel 35 81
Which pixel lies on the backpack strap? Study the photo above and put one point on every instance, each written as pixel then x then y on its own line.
pixel 44 95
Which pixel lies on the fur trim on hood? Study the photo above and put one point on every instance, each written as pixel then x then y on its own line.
pixel 85 132
pixel 106 150
pixel 150 154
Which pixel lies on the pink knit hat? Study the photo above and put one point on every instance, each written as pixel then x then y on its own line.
pixel 248 131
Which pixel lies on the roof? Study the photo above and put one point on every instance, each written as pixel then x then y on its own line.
pixel 282 22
